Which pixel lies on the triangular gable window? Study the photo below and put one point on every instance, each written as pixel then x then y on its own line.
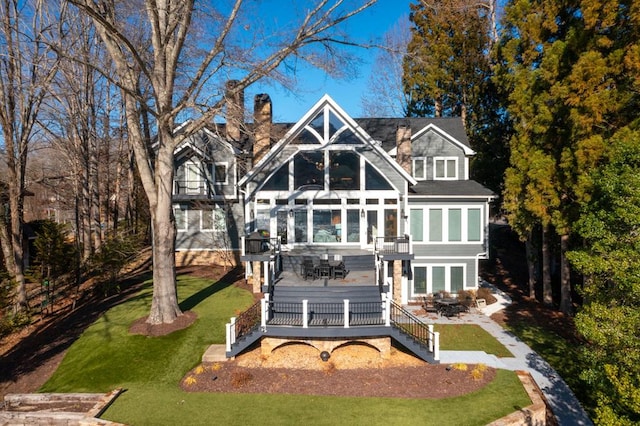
pixel 327 128
pixel 374 180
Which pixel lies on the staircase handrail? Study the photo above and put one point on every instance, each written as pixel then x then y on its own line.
pixel 246 322
pixel 408 324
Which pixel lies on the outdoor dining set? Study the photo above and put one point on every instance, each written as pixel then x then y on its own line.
pixel 446 306
pixel 322 267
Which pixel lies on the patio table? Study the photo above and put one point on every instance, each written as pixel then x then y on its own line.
pixel 448 307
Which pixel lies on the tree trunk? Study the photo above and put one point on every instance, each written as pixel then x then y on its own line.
pixel 164 306
pixel 566 304
pixel 547 294
pixel 530 251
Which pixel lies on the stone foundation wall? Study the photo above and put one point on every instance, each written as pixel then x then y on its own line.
pixel 534 414
pixel 382 344
pixel 206 258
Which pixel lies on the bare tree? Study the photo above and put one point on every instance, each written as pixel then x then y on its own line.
pixel 176 29
pixel 27 66
pixel 385 96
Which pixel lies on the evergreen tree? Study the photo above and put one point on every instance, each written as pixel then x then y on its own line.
pixel 610 260
pixel 570 89
pixel 446 62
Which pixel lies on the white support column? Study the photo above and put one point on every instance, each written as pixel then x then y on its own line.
pixel 387 312
pixel 264 312
pixel 305 314
pixel 346 313
pixel 436 346
pixel 265 269
pixel 228 330
pixel 430 339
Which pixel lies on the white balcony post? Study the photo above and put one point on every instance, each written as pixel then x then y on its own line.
pixel 346 313
pixel 305 313
pixel 228 330
pixel 263 312
pixel 265 267
pixel 436 346
pixel 430 338
pixel 387 312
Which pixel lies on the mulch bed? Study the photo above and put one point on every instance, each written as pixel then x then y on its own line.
pixel 353 370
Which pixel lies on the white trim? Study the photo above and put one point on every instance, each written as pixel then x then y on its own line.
pixel 325 104
pixel 423 160
pixel 446 168
pixel 464 224
pixel 185 222
pixel 429 277
pixel 226 172
pixel 467 150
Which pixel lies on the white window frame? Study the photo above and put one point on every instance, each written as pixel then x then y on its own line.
pixel 422 160
pixel 464 224
pixel 192 167
pixel 226 173
pixel 445 160
pixel 202 218
pixel 182 225
pixel 447 277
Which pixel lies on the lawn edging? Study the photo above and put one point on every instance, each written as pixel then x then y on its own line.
pixel 534 414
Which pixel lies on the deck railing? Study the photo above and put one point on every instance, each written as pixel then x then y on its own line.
pixel 412 326
pixel 305 314
pixel 393 245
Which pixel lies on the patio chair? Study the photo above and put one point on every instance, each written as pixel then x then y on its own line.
pixel 308 270
pixel 428 304
pixel 323 270
pixel 339 271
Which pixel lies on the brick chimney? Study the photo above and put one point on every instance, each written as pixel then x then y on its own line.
pixel 235 110
pixel 403 144
pixel 262 118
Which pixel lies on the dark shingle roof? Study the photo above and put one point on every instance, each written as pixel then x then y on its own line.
pixel 384 129
pixel 457 188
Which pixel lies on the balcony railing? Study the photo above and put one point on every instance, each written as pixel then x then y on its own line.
pixel 393 245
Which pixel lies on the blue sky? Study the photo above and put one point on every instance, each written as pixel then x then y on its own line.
pixel 369 26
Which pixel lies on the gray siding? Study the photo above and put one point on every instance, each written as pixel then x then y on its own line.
pixel 431 145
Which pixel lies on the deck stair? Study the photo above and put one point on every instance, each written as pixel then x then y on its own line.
pixel 326 318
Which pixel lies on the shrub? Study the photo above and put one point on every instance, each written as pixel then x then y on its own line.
pixel 240 378
pixel 485 293
pixel 114 253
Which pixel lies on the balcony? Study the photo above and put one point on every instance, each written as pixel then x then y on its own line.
pixel 394 248
pixel 192 189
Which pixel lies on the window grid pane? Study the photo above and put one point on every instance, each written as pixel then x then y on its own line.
pixel 438 279
pixel 457 279
pixel 473 225
pixel 419 280
pixel 417 224
pixel 451 168
pixel 455 222
pixel 435 225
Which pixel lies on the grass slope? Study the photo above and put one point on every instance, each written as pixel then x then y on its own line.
pixel 106 357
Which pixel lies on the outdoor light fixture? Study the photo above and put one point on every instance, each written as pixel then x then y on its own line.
pixel 362 213
pixel 324 356
pixel 290 212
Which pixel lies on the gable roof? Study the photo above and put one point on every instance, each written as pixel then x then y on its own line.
pixel 363 135
pixel 384 129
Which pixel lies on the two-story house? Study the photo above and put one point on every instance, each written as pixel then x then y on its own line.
pixel 394 189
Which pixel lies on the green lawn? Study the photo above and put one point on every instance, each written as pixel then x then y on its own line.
pixel 469 337
pixel 106 357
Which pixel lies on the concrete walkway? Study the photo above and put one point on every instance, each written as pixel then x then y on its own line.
pixel 561 399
